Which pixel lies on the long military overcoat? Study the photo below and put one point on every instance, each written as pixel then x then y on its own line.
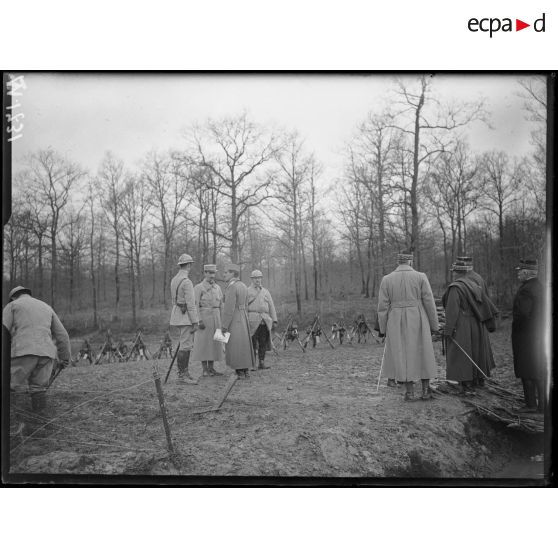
pixel 528 331
pixel 239 353
pixel 463 325
pixel 209 301
pixel 407 315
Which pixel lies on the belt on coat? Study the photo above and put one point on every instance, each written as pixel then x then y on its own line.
pixel 405 304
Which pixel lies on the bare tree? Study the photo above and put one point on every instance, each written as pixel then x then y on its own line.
pixel 167 181
pixel 291 192
pixel 52 178
pixel 423 121
pixel 135 207
pixel 501 188
pixel 237 152
pixel 111 175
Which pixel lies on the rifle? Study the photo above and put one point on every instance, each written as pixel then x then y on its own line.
pixel 56 369
pixel 172 362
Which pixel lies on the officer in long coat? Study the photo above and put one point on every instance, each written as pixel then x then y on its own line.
pixel 407 317
pixel 238 351
pixel 477 278
pixel 262 317
pixel 184 316
pixel 470 315
pixel 529 360
pixel 209 301
pixel 38 338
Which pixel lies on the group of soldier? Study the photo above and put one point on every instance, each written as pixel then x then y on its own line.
pixel 199 313
pixel 203 315
pixel 407 318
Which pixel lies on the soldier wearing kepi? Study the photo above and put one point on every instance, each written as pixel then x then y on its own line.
pixel 209 301
pixel 529 360
pixel 184 316
pixel 262 317
pixel 470 315
pixel 238 351
pixel 38 338
pixel 473 275
pixel 407 316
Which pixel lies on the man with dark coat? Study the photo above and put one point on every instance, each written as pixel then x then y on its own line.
pixel 38 338
pixel 262 317
pixel 470 315
pixel 239 354
pixel 472 274
pixel 184 316
pixel 528 337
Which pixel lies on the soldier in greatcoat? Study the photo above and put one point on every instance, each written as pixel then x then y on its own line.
pixel 262 317
pixel 528 335
pixel 470 315
pixel 407 317
pixel 38 338
pixel 239 354
pixel 209 301
pixel 472 274
pixel 184 316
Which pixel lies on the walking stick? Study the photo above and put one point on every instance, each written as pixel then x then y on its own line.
pixel 472 361
pixel 172 362
pixel 380 374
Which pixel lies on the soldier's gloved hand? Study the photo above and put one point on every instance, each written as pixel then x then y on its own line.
pixel 201 325
pixel 273 326
pixel 380 334
pixel 183 308
pixel 194 327
pixel 63 364
pixel 224 330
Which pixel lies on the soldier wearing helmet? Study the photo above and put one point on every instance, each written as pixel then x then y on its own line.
pixel 262 317
pixel 38 338
pixel 184 316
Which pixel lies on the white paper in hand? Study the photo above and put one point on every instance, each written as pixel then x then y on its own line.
pixel 218 336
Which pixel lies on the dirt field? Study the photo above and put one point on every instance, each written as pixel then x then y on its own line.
pixel 313 414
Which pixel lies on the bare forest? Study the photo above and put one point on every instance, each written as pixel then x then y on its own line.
pixel 100 245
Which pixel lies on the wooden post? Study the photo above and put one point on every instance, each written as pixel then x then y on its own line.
pixel 163 409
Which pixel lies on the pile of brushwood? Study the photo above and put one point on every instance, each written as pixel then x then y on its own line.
pixel 497 404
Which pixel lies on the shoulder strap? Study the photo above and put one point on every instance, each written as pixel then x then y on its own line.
pixel 178 287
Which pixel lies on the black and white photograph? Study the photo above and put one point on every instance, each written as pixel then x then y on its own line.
pixel 277 277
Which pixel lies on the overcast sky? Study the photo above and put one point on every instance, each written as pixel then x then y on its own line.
pixel 84 115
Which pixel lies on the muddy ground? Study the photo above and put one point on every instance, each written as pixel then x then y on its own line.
pixel 315 414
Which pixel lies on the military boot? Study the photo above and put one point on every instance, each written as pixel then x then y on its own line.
pixel 262 366
pixel 211 370
pixel 183 359
pixel 205 371
pixel 426 393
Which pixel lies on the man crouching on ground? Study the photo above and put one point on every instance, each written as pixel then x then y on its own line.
pixel 38 338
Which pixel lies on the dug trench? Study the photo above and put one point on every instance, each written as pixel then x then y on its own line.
pixel 313 414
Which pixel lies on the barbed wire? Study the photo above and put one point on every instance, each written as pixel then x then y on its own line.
pixel 77 407
pixel 35 416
